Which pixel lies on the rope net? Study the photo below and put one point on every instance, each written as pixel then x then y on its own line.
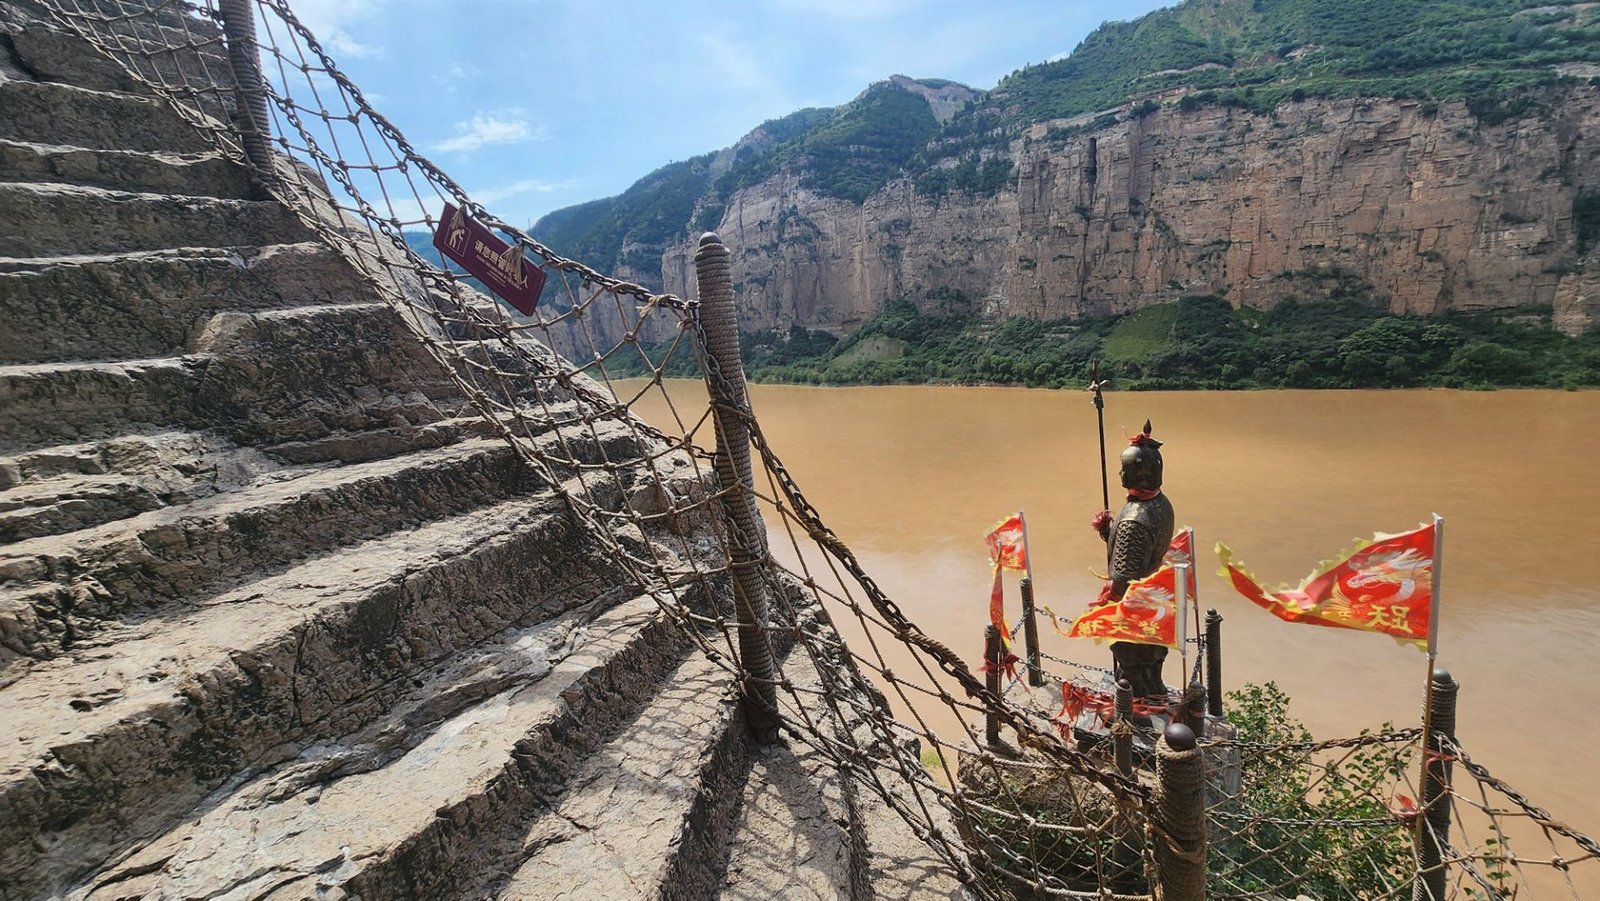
pixel 580 390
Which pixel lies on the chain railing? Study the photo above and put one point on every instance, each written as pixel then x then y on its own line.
pixel 579 389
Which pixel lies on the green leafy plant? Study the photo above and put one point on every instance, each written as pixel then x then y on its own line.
pixel 1313 822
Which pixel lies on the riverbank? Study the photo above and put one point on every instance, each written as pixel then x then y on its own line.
pixel 1195 343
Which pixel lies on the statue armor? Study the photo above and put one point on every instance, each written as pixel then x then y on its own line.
pixel 1138 542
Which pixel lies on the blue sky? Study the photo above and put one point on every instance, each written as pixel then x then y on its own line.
pixel 533 105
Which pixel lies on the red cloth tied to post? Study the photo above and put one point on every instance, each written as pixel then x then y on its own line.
pixel 1075 699
pixel 1007 664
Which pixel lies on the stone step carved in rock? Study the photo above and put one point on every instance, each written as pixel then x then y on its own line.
pixel 262 378
pixel 156 303
pixel 57 403
pixel 172 467
pixel 648 816
pixel 39 220
pixel 430 799
pixel 65 503
pixel 61 114
pixel 137 566
pixel 121 739
pixel 194 174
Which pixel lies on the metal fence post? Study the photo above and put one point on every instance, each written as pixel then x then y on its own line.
pixel 244 58
pixel 1030 635
pixel 994 652
pixel 1214 661
pixel 726 383
pixel 1180 809
pixel 1433 826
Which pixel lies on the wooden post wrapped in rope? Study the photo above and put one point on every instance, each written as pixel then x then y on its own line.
pixel 244 58
pixel 1180 810
pixel 1433 827
pixel 1122 728
pixel 1214 661
pixel 1030 635
pixel 1192 709
pixel 1128 877
pixel 747 536
pixel 994 661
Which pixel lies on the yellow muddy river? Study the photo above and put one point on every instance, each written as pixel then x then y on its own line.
pixel 911 477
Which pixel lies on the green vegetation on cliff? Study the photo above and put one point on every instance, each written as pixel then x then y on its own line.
pixel 848 153
pixel 647 216
pixel 1198 342
pixel 1260 53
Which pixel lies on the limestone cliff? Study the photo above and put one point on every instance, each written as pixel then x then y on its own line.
pixel 1426 207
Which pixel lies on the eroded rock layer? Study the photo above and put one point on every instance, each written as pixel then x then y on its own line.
pixel 1427 208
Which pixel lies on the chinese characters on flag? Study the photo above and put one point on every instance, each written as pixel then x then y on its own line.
pixel 1385 585
pixel 1148 612
pixel 1008 543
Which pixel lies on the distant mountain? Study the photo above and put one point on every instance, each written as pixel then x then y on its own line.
pixel 1425 155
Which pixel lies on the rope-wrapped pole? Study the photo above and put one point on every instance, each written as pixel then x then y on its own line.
pixel 1214 661
pixel 1122 728
pixel 748 551
pixel 994 652
pixel 1192 709
pixel 1180 810
pixel 1125 852
pixel 244 58
pixel 1433 828
pixel 1030 635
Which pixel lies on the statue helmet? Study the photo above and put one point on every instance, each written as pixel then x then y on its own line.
pixel 1141 462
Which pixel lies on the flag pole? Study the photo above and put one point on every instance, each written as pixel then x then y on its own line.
pixel 1027 556
pixel 1181 570
pixel 1435 573
pixel 1194 602
pixel 1095 386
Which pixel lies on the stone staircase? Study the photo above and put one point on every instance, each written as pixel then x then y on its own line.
pixel 279 618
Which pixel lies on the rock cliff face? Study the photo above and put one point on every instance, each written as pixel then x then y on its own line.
pixel 1429 209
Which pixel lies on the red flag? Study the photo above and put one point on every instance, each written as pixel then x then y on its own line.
pixel 1008 543
pixel 1384 585
pixel 1147 613
pixel 1008 549
pixel 997 609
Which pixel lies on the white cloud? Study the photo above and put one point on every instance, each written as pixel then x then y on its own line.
pixel 488 196
pixel 734 62
pixel 331 21
pixel 343 45
pixel 489 127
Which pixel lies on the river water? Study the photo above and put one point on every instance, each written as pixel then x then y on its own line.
pixel 912 477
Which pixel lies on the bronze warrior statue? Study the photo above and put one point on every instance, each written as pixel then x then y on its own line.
pixel 1138 540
